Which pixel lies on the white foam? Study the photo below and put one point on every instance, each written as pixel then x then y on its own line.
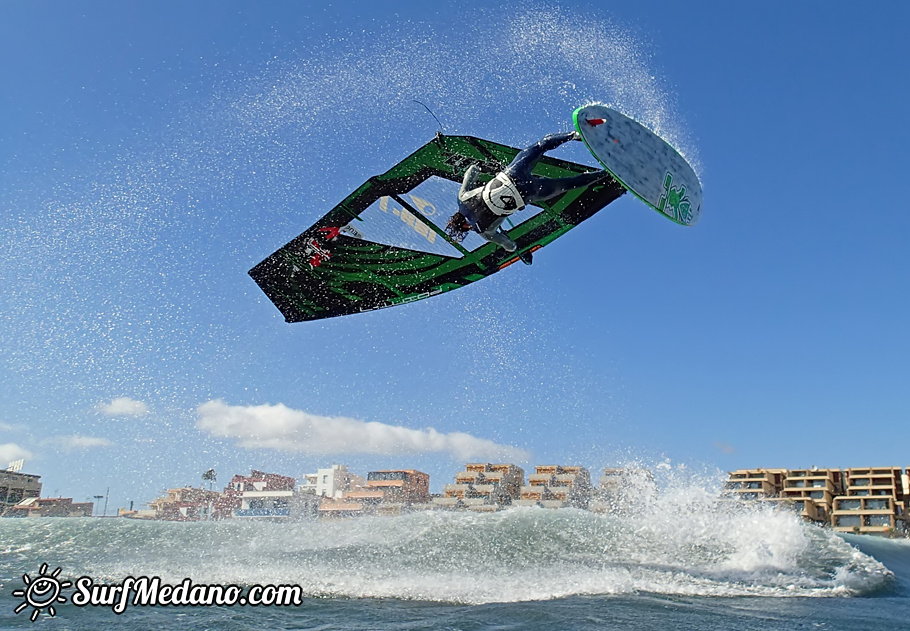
pixel 680 542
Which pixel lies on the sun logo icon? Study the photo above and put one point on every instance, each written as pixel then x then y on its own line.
pixel 43 591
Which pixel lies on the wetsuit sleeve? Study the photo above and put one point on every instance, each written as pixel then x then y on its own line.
pixel 551 141
pixel 468 183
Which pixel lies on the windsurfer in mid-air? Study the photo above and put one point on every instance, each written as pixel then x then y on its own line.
pixel 484 208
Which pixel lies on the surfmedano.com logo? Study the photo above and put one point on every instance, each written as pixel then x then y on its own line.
pixel 44 592
pixel 674 202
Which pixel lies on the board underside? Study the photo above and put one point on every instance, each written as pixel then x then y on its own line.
pixel 385 244
pixel 642 162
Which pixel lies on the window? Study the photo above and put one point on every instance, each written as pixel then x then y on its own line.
pixel 848 505
pixel 882 504
pixel 848 521
pixel 385 476
pixel 878 520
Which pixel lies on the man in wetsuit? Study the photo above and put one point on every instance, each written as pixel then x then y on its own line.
pixel 483 209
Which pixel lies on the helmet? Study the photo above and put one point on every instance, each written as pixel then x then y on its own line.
pixel 501 195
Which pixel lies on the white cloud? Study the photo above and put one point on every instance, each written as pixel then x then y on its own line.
pixel 123 406
pixel 10 452
pixel 68 443
pixel 282 428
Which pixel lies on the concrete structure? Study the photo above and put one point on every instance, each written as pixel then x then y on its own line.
pixel 623 490
pixel 50 507
pixel 811 492
pixel 483 487
pixel 262 495
pixel 868 500
pixel 332 482
pixel 874 502
pixel 184 504
pixel 555 486
pixel 388 492
pixel 752 484
pixel 16 486
pixel 404 486
pixel 308 484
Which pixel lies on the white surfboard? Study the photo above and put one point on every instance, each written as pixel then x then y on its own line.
pixel 642 162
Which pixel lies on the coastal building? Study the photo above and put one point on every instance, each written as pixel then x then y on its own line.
pixel 332 482
pixel 556 486
pixel 308 484
pixel 184 504
pixel 482 487
pixel 50 507
pixel 16 486
pixel 867 500
pixel 811 492
pixel 622 490
pixel 262 495
pixel 388 492
pixel 265 495
pixel 874 502
pixel 753 484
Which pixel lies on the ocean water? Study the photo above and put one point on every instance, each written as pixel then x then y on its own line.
pixel 682 561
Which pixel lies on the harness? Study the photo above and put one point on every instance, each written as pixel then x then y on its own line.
pixel 501 195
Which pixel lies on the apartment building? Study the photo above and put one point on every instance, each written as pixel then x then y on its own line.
pixel 483 487
pixel 184 504
pixel 556 486
pixel 259 494
pixel 811 492
pixel 867 500
pixel 753 484
pixel 874 501
pixel 389 492
pixel 16 486
pixel 50 507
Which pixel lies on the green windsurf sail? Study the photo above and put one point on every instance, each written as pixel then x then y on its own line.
pixel 385 243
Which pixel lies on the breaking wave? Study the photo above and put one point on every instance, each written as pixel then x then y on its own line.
pixel 681 543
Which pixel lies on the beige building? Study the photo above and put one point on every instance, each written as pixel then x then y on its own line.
pixel 50 507
pixel 482 487
pixel 556 486
pixel 874 501
pixel 753 484
pixel 389 492
pixel 869 500
pixel 812 492
pixel 184 504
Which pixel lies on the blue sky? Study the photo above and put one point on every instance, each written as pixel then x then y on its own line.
pixel 152 154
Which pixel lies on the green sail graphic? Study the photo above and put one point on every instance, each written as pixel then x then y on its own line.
pixel 385 243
